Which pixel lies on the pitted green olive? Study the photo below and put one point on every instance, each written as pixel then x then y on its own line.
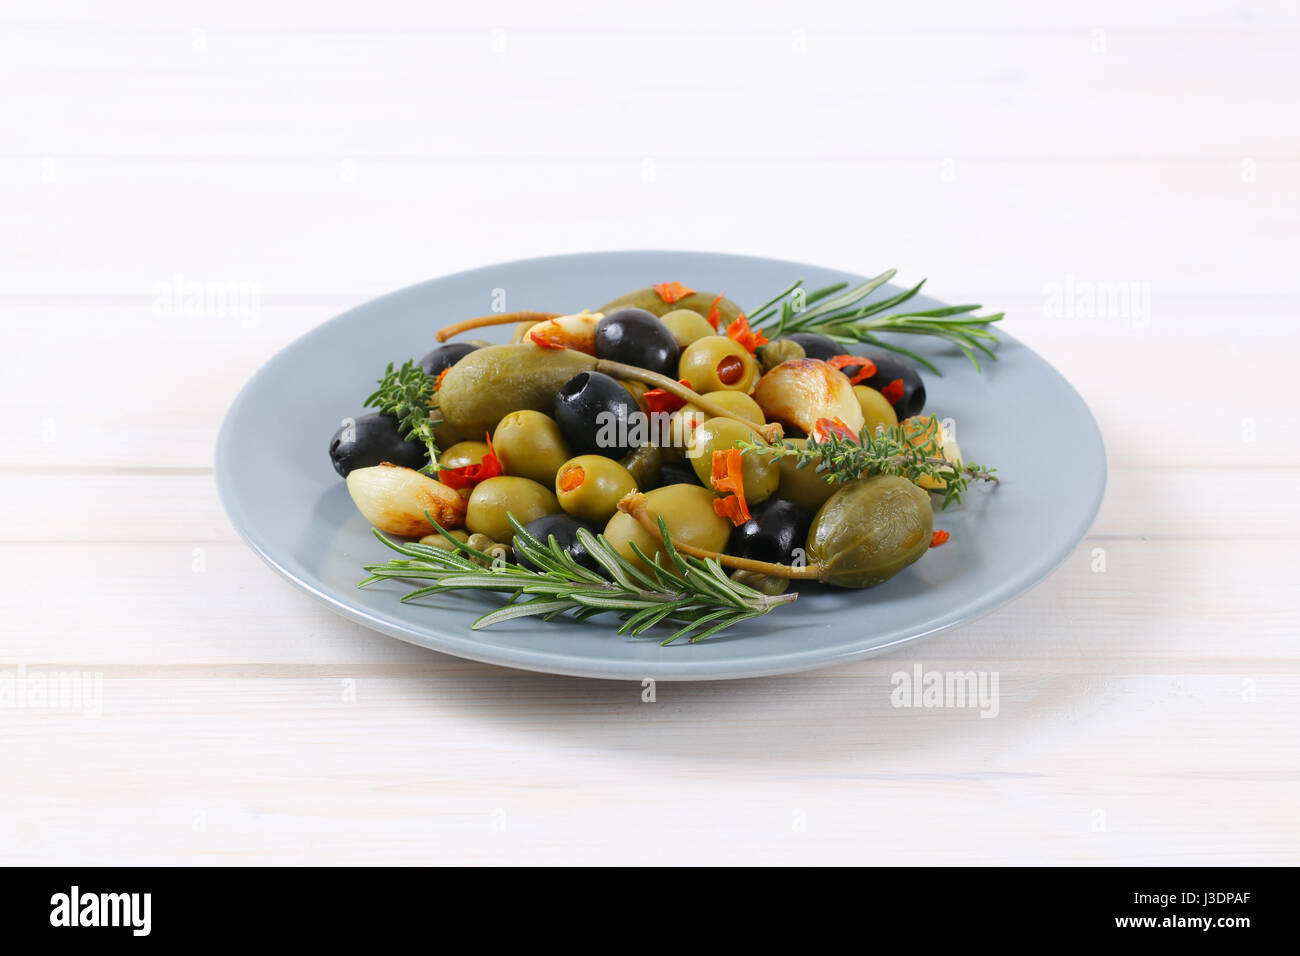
pixel 589 487
pixel 761 474
pixel 870 530
pixel 688 512
pixel 488 384
pixel 529 445
pixel 497 497
pixel 687 325
pixel 806 487
pixel 715 363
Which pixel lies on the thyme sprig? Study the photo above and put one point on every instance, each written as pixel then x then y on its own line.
pixel 839 313
pixel 698 593
pixel 911 450
pixel 408 394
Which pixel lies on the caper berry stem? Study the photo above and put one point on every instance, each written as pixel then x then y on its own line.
pixel 497 318
pixel 769 432
pixel 634 504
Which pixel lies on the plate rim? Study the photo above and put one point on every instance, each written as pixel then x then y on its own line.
pixel 572 665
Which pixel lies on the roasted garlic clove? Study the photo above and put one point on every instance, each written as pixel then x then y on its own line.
pixel 394 499
pixel 568 331
pixel 801 391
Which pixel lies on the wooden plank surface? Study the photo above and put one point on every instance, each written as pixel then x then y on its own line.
pixel 304 158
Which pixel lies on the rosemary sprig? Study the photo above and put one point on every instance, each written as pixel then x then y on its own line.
pixel 839 313
pixel 689 590
pixel 408 394
pixel 892 451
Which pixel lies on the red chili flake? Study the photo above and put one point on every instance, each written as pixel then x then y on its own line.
pixel 662 400
pixel 938 538
pixel 670 292
pixel 826 427
pixel 893 392
pixel 865 367
pixel 545 341
pixel 739 331
pixel 714 316
pixel 441 375
pixel 727 475
pixel 467 476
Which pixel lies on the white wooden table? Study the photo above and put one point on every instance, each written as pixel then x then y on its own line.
pixel 182 193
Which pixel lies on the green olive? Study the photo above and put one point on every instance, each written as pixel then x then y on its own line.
pixel 715 363
pixel 493 499
pixel 870 530
pixel 806 486
pixel 644 464
pixel 463 453
pixel 676 435
pixel 589 487
pixel 761 473
pixel 736 402
pixel 688 512
pixel 687 325
pixel 876 410
pixel 446 434
pixel 488 384
pixel 529 445
pixel 650 300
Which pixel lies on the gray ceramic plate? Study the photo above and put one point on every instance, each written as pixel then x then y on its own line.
pixel 1021 416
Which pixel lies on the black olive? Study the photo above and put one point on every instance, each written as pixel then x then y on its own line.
pixel 817 346
pixel 597 416
pixel 777 527
pixel 565 529
pixel 444 357
pixel 676 473
pixel 637 337
pixel 372 439
pixel 890 369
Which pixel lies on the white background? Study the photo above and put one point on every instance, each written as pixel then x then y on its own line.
pixel 314 155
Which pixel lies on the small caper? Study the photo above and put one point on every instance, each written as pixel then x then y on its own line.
pixel 768 584
pixel 436 540
pixel 782 350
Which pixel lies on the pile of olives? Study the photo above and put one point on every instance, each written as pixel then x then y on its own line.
pixel 549 436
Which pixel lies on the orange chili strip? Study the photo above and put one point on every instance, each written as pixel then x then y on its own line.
pixel 938 538
pixel 727 475
pixel 467 476
pixel 740 332
pixel 572 477
pixel 544 341
pixel 670 292
pixel 893 392
pixel 866 367
pixel 733 508
pixel 825 427
pixel 661 400
pixel 714 316
pixel 441 375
